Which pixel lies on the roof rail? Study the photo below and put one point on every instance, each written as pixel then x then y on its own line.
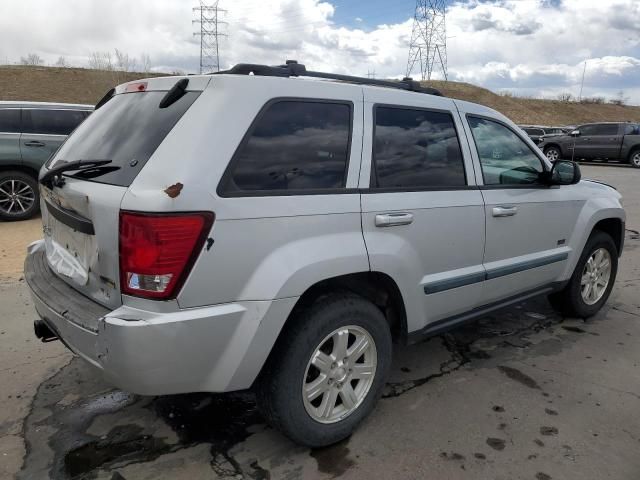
pixel 294 69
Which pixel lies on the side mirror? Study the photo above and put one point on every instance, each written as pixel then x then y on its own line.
pixel 575 133
pixel 565 172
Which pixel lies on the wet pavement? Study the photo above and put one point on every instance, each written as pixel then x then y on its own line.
pixel 523 393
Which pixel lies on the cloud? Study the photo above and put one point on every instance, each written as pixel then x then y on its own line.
pixel 527 45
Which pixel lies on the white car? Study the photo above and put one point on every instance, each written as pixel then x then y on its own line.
pixel 281 231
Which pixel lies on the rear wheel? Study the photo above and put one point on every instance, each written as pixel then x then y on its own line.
pixel 327 372
pixel 19 196
pixel 634 159
pixel 592 280
pixel 552 153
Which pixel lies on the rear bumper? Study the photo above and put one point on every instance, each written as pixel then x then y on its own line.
pixel 214 349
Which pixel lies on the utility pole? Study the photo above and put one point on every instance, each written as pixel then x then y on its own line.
pixel 208 17
pixel 428 46
pixel 582 83
pixel 371 74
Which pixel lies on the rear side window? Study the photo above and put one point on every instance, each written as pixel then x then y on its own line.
pixel 126 130
pixel 10 120
pixel 632 129
pixel 52 122
pixel 293 145
pixel 416 149
pixel 599 129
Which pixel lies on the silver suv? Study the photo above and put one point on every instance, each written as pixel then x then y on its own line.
pixel 280 232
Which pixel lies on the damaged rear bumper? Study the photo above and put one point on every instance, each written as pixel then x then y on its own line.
pixel 215 349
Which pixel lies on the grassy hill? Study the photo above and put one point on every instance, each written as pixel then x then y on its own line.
pixel 79 85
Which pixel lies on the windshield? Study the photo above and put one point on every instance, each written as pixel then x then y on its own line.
pixel 126 130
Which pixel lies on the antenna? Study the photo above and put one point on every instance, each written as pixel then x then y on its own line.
pixel 207 16
pixel 428 46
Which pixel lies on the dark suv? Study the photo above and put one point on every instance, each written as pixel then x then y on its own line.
pixel 606 141
pixel 30 132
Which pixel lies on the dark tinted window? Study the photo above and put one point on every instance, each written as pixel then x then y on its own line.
pixel 10 120
pixel 416 148
pixel 53 122
pixel 632 129
pixel 505 158
pixel 599 129
pixel 294 145
pixel 534 131
pixel 126 130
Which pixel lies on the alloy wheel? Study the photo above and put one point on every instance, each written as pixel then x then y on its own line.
pixel 635 160
pixel 339 374
pixel 595 276
pixel 552 154
pixel 16 196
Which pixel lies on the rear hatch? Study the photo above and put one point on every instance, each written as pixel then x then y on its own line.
pixel 80 214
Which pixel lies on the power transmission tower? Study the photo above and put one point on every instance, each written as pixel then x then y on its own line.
pixel 428 45
pixel 208 18
pixel 371 74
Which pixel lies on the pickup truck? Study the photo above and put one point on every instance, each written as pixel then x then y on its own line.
pixel 605 141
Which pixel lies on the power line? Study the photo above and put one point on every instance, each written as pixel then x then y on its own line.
pixel 428 46
pixel 208 18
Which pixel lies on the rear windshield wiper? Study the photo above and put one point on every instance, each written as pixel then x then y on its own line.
pixel 54 176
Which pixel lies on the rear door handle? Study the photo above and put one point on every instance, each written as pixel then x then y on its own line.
pixel 504 211
pixel 34 144
pixel 393 219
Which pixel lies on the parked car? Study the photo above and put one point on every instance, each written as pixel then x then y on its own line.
pixel 30 132
pixel 233 231
pixel 537 133
pixel 607 141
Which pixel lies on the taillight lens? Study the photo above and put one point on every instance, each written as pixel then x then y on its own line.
pixel 157 251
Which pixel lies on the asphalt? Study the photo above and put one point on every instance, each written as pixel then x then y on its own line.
pixel 521 394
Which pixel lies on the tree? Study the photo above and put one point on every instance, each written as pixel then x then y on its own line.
pixel 62 62
pixel 145 62
pixel 31 59
pixel 620 99
pixel 100 61
pixel 565 97
pixel 123 62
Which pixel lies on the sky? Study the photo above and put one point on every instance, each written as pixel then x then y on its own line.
pixel 526 47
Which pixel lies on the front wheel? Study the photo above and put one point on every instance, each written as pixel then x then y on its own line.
pixel 634 159
pixel 592 280
pixel 552 153
pixel 327 371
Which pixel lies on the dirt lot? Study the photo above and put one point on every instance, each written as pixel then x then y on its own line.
pixel 522 394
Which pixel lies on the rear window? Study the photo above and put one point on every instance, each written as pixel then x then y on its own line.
pixel 10 120
pixel 52 122
pixel 126 130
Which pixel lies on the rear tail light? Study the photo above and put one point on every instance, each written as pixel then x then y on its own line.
pixel 157 251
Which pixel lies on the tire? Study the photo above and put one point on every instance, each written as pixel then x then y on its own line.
pixel 19 196
pixel 279 390
pixel 553 153
pixel 634 158
pixel 571 300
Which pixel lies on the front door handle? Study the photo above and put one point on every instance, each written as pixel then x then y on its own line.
pixel 393 219
pixel 34 144
pixel 504 211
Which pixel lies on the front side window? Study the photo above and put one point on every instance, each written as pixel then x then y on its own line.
pixel 9 120
pixel 293 145
pixel 505 158
pixel 52 122
pixel 599 129
pixel 416 149
pixel 632 129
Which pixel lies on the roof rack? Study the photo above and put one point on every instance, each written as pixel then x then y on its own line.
pixel 294 69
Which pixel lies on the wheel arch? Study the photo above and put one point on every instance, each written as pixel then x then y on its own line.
pixel 614 227
pixel 377 287
pixel 20 168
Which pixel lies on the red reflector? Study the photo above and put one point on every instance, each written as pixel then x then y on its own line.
pixel 157 251
pixel 136 87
